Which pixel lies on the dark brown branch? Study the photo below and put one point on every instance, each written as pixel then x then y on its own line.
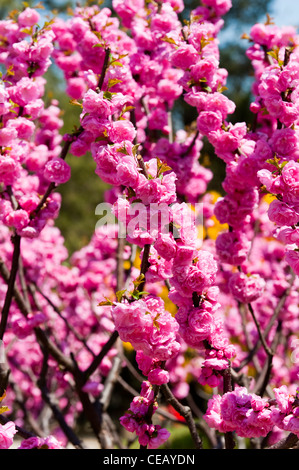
pixel 21 431
pixel 144 265
pixel 227 387
pixel 286 443
pixel 42 384
pixel 261 336
pixel 16 239
pixel 192 143
pixel 56 309
pixel 185 412
pixel 98 359
pixel 104 69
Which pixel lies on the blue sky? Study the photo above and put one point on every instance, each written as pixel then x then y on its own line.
pixel 285 12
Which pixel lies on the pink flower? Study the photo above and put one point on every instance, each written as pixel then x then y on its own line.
pixel 57 171
pixel 284 142
pixel 166 246
pixel 25 91
pixel 18 219
pixel 158 438
pixel 290 180
pixel 76 87
pixel 28 17
pixel 284 399
pixel 221 7
pixel 95 103
pixel 282 214
pixel 148 327
pixel 121 130
pixel 7 136
pixel 292 258
pixel 232 247
pixel 127 172
pixel 30 443
pixel 168 89
pixel 184 56
pixel 245 288
pixel 209 121
pixel 158 376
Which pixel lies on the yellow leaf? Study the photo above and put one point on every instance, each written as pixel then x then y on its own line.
pixel 216 228
pixel 3 409
pixel 128 346
pixel 268 198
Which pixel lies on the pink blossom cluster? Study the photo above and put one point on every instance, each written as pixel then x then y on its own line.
pixel 49 442
pixel 29 134
pixel 7 433
pixel 249 415
pixel 151 88
pixel 274 58
pixel 138 419
pixel 147 326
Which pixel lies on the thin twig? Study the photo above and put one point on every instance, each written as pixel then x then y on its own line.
pixel 257 324
pixel 144 264
pixel 56 309
pixel 98 359
pixel 24 433
pixel 42 383
pixel 185 412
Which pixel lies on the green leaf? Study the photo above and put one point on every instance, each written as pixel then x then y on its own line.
pixel 3 409
pixel 135 149
pixel 107 95
pixel 162 167
pixel 105 302
pixel 113 81
pixel 139 280
pixel 120 294
pixel 127 108
pixel 116 63
pixel 143 292
pixel 123 150
pixel 169 40
pixel 76 103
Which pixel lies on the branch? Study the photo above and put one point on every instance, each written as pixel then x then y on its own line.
pixel 98 359
pixel 16 239
pixel 110 382
pixel 21 431
pixel 262 339
pixel 285 443
pixel 227 387
pixel 104 69
pixel 56 309
pixel 42 383
pixel 185 412
pixel 144 265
